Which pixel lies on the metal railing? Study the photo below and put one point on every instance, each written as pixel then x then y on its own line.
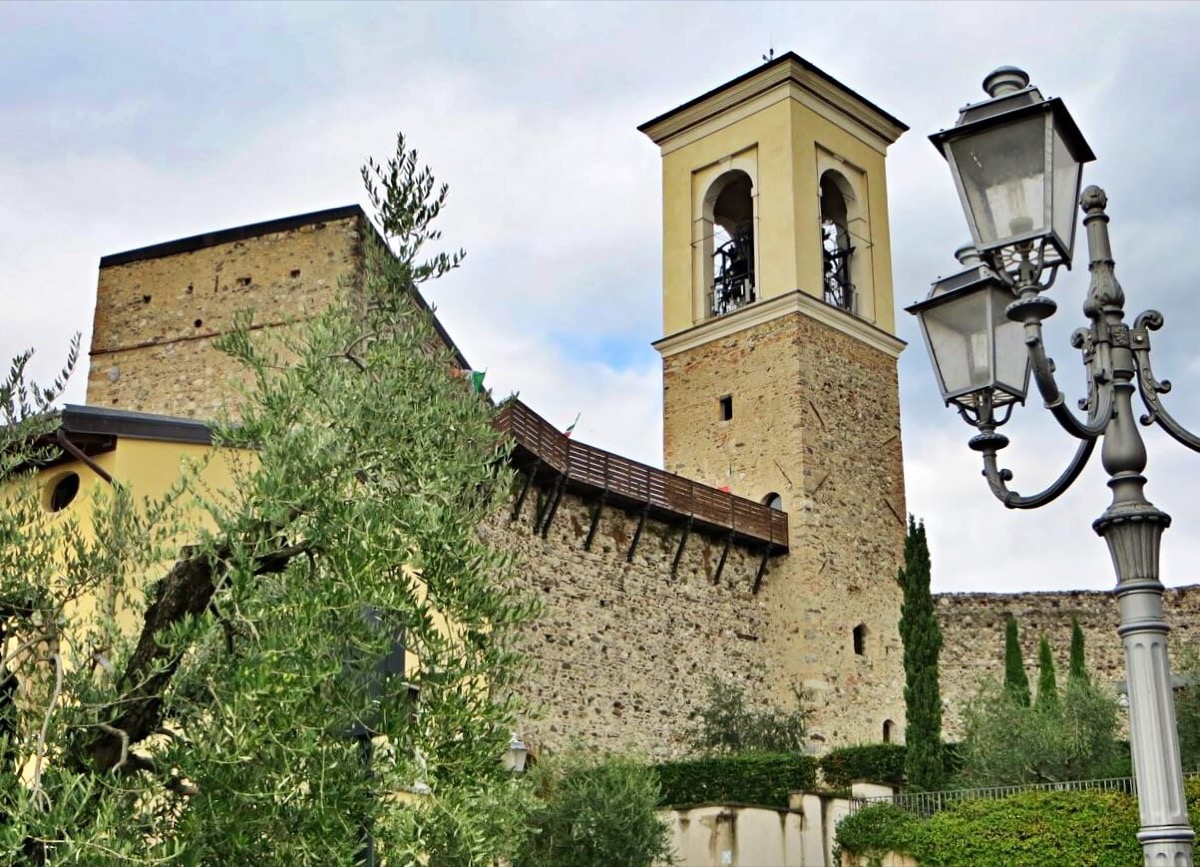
pixel 925 804
pixel 629 483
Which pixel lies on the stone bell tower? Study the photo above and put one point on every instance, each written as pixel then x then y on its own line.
pixel 779 364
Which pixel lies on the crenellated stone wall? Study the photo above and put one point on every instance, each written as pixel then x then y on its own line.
pixel 973 637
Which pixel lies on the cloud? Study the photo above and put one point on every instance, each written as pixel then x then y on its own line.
pixel 128 135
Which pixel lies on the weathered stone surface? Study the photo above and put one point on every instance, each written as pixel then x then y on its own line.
pixel 816 420
pixel 155 318
pixel 623 650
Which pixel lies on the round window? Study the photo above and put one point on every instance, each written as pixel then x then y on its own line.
pixel 61 492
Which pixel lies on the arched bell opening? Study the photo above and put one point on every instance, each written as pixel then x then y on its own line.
pixel 729 255
pixel 837 204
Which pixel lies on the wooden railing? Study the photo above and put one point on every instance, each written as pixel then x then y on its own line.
pixel 630 483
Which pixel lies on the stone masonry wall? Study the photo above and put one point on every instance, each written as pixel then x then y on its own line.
pixel 624 651
pixel 815 419
pixel 973 637
pixel 155 318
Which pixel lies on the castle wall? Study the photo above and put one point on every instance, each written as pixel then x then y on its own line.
pixel 156 317
pixel 623 651
pixel 816 419
pixel 973 637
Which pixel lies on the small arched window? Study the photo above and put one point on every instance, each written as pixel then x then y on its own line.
pixel 889 729
pixel 774 501
pixel 731 200
pixel 860 639
pixel 835 241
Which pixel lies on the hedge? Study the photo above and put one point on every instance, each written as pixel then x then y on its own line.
pixel 874 763
pixel 762 779
pixel 1030 829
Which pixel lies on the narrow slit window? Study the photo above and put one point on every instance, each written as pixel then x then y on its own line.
pixel 727 407
pixel 860 640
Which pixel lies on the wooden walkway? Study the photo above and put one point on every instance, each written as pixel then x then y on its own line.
pixel 542 448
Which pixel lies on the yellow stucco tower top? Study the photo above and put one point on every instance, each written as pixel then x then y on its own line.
pixel 790 163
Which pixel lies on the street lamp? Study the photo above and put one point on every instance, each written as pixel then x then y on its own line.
pixel 1017 163
pixel 516 755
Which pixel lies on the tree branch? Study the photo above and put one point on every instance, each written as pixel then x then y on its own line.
pixel 187 590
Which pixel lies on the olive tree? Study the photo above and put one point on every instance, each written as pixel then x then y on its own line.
pixel 232 723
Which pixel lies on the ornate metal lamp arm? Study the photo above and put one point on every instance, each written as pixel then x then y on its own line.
pixel 997 478
pixel 1149 387
pixel 1031 309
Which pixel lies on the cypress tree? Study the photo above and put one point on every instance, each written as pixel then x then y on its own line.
pixel 924 764
pixel 1047 692
pixel 1015 678
pixel 1078 670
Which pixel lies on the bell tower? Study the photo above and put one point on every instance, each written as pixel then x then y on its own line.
pixel 779 364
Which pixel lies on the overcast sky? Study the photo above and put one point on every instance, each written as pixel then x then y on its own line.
pixel 126 125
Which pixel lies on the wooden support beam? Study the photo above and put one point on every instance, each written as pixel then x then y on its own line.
pixel 516 512
pixel 762 569
pixel 687 529
pixel 638 534
pixel 543 505
pixel 724 554
pixel 554 501
pixel 596 510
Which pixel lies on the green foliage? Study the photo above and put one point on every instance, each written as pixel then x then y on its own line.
pixel 1187 709
pixel 1078 668
pixel 1009 743
pixel 1030 829
pixel 594 814
pixel 763 779
pixel 25 410
pixel 874 763
pixel 730 724
pixel 217 733
pixel 1047 692
pixel 1015 678
pixel 874 832
pixel 922 639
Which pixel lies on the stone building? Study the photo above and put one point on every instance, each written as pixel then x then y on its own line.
pixel 765 552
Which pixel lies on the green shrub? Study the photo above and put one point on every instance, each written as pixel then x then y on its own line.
pixel 875 763
pixel 875 831
pixel 1031 829
pixel 595 814
pixel 729 723
pixel 1008 742
pixel 763 779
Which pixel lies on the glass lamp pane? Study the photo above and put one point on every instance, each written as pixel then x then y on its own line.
pixel 1066 192
pixel 1012 357
pixel 959 334
pixel 1003 174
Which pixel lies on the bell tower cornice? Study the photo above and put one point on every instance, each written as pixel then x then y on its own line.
pixel 788 75
pixel 761 312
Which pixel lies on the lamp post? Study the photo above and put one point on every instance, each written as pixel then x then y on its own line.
pixel 1017 162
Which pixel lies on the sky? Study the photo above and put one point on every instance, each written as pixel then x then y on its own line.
pixel 123 125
